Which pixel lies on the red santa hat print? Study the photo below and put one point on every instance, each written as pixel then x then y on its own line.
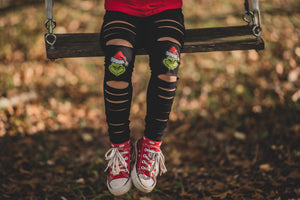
pixel 173 53
pixel 120 59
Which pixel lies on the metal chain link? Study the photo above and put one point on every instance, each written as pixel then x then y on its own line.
pixel 247 16
pixel 257 30
pixel 50 23
pixel 253 17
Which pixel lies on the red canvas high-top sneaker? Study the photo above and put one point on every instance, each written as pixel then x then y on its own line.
pixel 118 157
pixel 148 164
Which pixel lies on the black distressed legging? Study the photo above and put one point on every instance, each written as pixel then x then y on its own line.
pixel 149 33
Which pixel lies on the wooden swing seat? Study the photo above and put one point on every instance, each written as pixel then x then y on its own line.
pixel 197 40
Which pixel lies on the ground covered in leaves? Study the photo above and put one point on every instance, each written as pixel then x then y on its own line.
pixel 234 131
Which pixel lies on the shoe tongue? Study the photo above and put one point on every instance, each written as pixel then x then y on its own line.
pixel 151 142
pixel 122 145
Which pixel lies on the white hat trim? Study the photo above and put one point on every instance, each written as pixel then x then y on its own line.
pixel 172 55
pixel 117 61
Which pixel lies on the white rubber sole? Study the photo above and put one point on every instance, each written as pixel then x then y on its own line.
pixel 122 190
pixel 134 175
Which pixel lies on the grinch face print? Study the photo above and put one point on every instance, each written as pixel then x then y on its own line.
pixel 172 59
pixel 118 64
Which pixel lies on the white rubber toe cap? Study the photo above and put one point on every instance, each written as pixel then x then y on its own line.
pixel 119 186
pixel 117 183
pixel 146 181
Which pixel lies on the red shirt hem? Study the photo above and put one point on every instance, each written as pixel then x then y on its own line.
pixel 140 10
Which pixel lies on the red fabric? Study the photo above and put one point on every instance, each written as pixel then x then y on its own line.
pixel 142 8
pixel 143 144
pixel 126 146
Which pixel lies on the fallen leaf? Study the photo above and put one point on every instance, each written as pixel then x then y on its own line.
pixel 87 137
pixel 50 162
pixel 239 135
pixel 145 198
pixel 294 175
pixel 265 167
pixel 223 195
pixel 23 171
pixel 80 181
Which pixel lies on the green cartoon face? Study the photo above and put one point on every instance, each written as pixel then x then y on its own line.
pixel 116 69
pixel 171 63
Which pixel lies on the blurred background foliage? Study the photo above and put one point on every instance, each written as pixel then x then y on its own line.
pixel 212 85
pixel 238 95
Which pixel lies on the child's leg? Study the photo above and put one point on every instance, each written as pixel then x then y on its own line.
pixel 161 92
pixel 165 39
pixel 164 62
pixel 117 89
pixel 118 40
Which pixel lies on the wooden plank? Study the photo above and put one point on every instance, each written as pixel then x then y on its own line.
pixel 225 46
pixel 197 40
pixel 205 34
pixel 94 51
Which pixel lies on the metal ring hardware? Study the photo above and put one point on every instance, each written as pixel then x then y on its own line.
pixel 50 24
pixel 248 16
pixel 50 39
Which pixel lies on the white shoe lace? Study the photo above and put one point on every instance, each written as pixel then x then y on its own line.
pixel 117 162
pixel 156 160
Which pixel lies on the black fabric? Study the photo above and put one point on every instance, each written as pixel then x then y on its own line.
pixel 164 59
pixel 161 52
pixel 111 30
pixel 118 67
pixel 143 32
pixel 117 114
pixel 159 104
pixel 119 62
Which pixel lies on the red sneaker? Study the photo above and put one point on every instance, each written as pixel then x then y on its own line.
pixel 149 162
pixel 119 181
